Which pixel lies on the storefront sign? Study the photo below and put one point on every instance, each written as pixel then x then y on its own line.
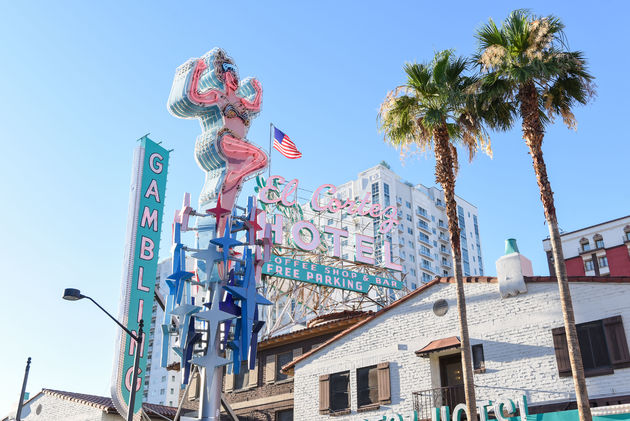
pixel 146 205
pixel 313 273
pixel 500 408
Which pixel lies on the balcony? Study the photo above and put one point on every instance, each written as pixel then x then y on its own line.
pixel 426 254
pixel 440 204
pixel 424 227
pixel 423 215
pixel 426 400
pixel 443 238
pixel 425 240
pixel 447 264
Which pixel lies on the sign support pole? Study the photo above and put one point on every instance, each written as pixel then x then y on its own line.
pixel 21 403
pixel 136 364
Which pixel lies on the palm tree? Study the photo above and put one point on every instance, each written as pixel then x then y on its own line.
pixel 525 62
pixel 437 109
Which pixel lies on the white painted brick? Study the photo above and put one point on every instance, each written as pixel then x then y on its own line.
pixel 515 333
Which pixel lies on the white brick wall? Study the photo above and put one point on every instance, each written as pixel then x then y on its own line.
pixel 57 409
pixel 515 333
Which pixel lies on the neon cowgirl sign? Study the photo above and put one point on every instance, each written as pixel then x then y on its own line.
pixel 287 196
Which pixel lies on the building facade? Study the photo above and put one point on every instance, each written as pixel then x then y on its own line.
pixel 265 393
pixel 598 250
pixel 406 357
pixel 420 243
pixel 57 405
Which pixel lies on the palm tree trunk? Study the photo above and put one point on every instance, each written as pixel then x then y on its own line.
pixel 533 134
pixel 445 175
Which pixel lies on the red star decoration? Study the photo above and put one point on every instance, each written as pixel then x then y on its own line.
pixel 218 211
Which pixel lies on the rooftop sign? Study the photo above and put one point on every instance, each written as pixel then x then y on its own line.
pixel 314 273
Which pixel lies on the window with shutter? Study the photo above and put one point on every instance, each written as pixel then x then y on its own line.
pixel 324 394
pixel 339 391
pixel 253 376
pixel 229 379
pixel 270 368
pixel 384 388
pixel 282 360
pixel 603 346
pixel 241 379
pixel 367 387
pixel 479 362
pixel 562 351
pixel 617 343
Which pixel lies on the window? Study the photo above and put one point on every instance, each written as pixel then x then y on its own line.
pixel 172 390
pixel 241 379
pixel 588 265
pixel 373 386
pixel 162 391
pixel 286 415
pixel 414 285
pixel 412 257
pixel 339 385
pixel 409 231
pixel 282 360
pixel 426 277
pixel 367 386
pixel 413 272
pixel 585 244
pixel 409 218
pixel 602 343
pixel 423 237
pixel 603 262
pixel 479 363
pixel 408 204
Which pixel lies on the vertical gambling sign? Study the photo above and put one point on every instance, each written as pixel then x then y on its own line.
pixel 142 244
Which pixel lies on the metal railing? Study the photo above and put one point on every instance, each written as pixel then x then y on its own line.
pixel 425 400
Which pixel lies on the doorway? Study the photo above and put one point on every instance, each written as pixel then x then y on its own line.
pixel 452 379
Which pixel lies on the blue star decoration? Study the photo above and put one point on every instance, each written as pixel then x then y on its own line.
pixel 253 346
pixel 214 316
pixel 235 346
pixel 249 299
pixel 209 256
pixel 176 279
pixel 184 313
pixel 226 243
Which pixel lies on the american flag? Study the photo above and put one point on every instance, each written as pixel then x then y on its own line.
pixel 283 144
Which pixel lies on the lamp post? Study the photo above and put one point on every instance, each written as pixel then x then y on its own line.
pixel 72 294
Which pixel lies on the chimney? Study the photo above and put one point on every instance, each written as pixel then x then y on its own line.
pixel 511 269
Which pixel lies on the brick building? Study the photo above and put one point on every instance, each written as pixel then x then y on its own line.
pixel 598 250
pixel 265 393
pixel 407 356
pixel 57 405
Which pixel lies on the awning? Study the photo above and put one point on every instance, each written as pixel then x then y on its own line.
pixel 439 345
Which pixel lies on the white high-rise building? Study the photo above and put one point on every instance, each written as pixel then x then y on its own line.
pixel 161 385
pixel 420 243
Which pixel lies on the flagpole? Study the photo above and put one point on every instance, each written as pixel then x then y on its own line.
pixel 270 142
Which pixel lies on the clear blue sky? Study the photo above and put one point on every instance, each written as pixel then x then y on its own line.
pixel 81 81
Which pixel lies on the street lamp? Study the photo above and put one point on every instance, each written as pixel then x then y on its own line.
pixel 72 294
